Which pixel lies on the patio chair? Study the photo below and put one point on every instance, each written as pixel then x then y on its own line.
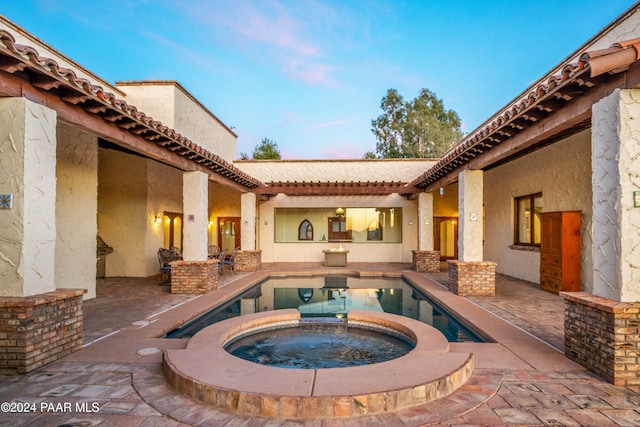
pixel 213 251
pixel 221 256
pixel 165 256
pixel 231 261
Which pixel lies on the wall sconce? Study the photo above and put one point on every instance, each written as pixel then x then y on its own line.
pixel 340 212
pixel 157 219
pixel 210 223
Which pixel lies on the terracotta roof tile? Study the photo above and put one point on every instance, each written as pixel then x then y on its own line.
pixel 96 100
pixel 530 108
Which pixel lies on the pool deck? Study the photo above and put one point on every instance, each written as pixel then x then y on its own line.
pixel 521 380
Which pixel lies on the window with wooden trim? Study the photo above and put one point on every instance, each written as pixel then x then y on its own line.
pixel 305 230
pixel 527 220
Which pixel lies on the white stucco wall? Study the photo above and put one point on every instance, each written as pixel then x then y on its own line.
pixel 28 172
pixel 195 208
pixel 616 176
pixel 470 199
pixel 171 104
pixel 76 209
pixel 561 172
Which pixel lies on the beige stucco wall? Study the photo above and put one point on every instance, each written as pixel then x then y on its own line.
pixel 27 171
pixel 358 252
pixel 132 191
pixel 395 170
pixel 170 104
pixel 561 172
pixel 76 209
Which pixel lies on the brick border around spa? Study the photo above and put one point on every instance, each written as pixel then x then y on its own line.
pixel 206 372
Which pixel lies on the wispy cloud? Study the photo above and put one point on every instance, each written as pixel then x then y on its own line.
pixel 271 31
pixel 333 123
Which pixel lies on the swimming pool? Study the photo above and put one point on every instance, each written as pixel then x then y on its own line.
pixel 334 296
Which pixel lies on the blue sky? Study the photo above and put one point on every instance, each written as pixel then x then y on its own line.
pixel 310 74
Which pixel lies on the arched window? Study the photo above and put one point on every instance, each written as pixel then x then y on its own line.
pixel 305 231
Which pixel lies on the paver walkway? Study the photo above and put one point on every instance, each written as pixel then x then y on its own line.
pixel 100 385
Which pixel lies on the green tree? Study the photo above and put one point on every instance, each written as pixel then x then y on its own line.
pixel 414 129
pixel 266 150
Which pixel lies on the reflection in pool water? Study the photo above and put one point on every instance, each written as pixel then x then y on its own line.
pixel 334 296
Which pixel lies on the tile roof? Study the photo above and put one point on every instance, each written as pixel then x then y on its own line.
pixel 335 188
pixel 45 74
pixel 543 100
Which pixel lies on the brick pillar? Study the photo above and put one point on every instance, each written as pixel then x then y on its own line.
pixel 194 277
pixel 472 278
pixel 426 261
pixel 39 329
pixel 248 260
pixel 602 335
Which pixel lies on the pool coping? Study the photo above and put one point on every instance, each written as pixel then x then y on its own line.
pixel 511 347
pixel 205 371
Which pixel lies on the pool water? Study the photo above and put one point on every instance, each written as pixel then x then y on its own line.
pixel 333 297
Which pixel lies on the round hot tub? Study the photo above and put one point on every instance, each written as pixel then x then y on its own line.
pixel 206 371
pixel 320 343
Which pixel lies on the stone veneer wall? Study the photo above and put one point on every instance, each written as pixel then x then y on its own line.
pixel 248 260
pixel 472 278
pixel 39 329
pixel 603 335
pixel 194 277
pixel 426 261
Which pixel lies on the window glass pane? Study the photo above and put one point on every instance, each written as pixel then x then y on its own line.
pixel 537 224
pixel 355 225
pixel 524 220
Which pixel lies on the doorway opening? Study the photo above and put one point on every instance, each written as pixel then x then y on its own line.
pixel 229 232
pixel 445 237
pixel 172 222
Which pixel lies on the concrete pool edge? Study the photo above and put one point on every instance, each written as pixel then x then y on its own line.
pixel 206 372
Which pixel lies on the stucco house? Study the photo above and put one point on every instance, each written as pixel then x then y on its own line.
pixel 144 165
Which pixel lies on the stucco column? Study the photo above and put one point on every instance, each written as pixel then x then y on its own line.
pixel 425 221
pixel 196 205
pixel 470 189
pixel 425 258
pixel 615 178
pixel 470 275
pixel 28 176
pixel 248 221
pixel 76 206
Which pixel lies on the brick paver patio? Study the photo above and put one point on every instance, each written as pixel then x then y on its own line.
pixel 104 384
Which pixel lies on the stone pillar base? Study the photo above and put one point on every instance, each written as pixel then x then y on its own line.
pixel 248 260
pixel 472 278
pixel 603 335
pixel 426 261
pixel 194 277
pixel 39 329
